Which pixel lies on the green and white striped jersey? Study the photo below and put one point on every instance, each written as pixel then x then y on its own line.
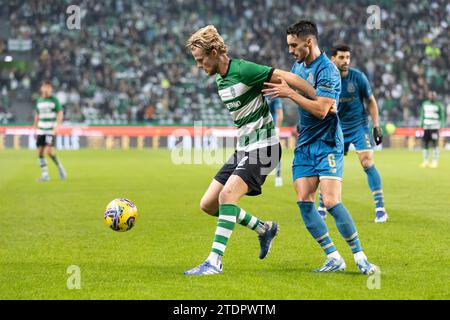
pixel 47 110
pixel 432 115
pixel 240 91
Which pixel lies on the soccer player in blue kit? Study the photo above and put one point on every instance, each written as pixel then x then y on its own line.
pixel 355 88
pixel 319 153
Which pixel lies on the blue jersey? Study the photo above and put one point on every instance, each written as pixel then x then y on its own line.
pixel 324 76
pixel 274 105
pixel 351 110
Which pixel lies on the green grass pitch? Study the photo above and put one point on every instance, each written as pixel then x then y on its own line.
pixel 46 227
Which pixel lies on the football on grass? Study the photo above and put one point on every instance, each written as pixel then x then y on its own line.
pixel 120 214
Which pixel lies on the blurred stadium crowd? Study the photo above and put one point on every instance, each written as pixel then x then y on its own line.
pixel 128 61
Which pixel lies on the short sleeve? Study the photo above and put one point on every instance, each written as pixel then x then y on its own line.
pixel 328 83
pixel 364 86
pixel 58 106
pixel 253 74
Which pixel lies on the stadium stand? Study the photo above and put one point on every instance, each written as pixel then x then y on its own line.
pixel 128 63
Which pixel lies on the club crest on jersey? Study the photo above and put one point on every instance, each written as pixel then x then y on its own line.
pixel 350 87
pixel 310 78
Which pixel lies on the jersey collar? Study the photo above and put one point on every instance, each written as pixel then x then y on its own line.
pixel 228 69
pixel 322 55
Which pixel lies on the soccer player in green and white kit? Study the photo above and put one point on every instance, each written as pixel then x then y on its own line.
pixel 47 119
pixel 431 120
pixel 258 149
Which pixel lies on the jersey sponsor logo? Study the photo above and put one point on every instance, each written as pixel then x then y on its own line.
pixel 235 104
pixel 351 87
pixel 45 105
pixel 343 99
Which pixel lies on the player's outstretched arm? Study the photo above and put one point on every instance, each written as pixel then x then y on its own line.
pixel 294 81
pixel 319 107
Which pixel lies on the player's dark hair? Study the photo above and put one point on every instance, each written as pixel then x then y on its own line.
pixel 302 29
pixel 46 83
pixel 340 47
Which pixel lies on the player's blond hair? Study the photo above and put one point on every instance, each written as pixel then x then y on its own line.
pixel 207 38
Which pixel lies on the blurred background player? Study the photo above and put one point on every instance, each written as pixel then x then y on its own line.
pixel 431 120
pixel 258 149
pixel 353 117
pixel 276 110
pixel 47 119
pixel 319 153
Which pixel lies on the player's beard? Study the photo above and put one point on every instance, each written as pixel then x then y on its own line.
pixel 302 59
pixel 213 71
pixel 299 60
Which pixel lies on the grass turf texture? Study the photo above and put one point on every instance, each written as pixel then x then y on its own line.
pixel 46 227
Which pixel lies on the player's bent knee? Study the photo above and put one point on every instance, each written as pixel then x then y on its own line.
pixel 302 195
pixel 366 162
pixel 207 207
pixel 309 198
pixel 227 196
pixel 330 202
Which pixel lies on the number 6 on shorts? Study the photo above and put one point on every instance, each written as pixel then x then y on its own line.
pixel 331 161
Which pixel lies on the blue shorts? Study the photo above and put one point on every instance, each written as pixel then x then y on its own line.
pixel 360 138
pixel 318 159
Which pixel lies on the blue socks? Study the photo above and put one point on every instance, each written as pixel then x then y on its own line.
pixel 346 226
pixel 316 226
pixel 374 179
